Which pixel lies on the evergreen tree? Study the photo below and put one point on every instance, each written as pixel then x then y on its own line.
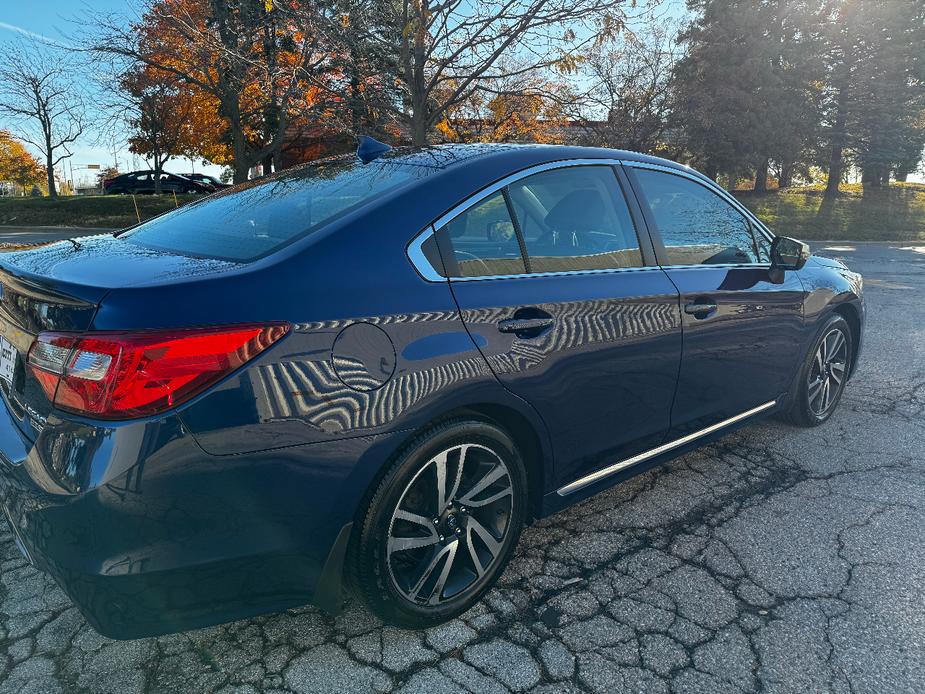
pixel 748 88
pixel 875 93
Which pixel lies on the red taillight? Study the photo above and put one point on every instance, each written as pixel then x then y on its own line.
pixel 124 375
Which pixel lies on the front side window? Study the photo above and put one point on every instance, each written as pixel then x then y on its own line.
pixel 563 220
pixel 696 225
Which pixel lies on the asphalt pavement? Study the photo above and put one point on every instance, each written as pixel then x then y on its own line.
pixel 776 560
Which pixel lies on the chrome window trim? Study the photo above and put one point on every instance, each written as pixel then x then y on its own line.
pixel 598 475
pixel 429 273
pixel 529 275
pixel 420 261
pixel 708 266
pixel 709 185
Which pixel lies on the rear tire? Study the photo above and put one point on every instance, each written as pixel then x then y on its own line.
pixel 441 525
pixel 823 375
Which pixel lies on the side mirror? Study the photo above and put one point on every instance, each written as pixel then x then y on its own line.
pixel 788 254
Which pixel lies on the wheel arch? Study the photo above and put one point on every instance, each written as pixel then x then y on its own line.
pixel 516 424
pixel 852 316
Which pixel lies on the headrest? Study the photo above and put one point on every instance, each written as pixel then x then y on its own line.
pixel 577 211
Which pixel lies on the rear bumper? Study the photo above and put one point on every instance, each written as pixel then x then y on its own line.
pixel 148 534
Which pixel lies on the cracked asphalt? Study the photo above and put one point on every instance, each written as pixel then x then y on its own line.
pixel 776 560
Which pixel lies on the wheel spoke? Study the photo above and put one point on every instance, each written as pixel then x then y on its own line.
pixel 401 544
pixel 837 341
pixel 463 450
pixel 815 388
pixel 435 561
pixel 838 372
pixel 446 495
pixel 440 470
pixel 402 514
pixel 493 545
pixel 476 562
pixel 819 363
pixel 825 394
pixel 496 473
pixel 437 592
pixel 508 490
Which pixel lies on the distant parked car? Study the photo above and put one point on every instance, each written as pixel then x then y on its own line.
pixel 142 183
pixel 206 180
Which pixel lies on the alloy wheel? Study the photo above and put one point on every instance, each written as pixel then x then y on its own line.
pixel 827 373
pixel 449 526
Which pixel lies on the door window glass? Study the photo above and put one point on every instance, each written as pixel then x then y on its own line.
pixel 575 219
pixel 696 225
pixel 483 241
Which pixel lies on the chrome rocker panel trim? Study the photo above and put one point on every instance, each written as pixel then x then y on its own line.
pixel 583 482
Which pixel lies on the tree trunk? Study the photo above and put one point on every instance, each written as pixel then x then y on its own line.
pixel 872 178
pixel 158 169
pixel 761 176
pixel 420 117
pixel 418 130
pixel 50 170
pixel 786 175
pixel 839 136
pixel 239 153
pixel 711 171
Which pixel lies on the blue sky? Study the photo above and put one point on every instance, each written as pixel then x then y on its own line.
pixel 49 17
pixel 53 19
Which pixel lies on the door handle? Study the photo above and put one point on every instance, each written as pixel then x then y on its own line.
pixel 700 310
pixel 526 327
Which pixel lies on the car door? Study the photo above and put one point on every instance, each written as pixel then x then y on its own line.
pixel 142 183
pixel 741 328
pixel 569 309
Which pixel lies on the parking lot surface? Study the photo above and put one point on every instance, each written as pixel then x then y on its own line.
pixel 776 560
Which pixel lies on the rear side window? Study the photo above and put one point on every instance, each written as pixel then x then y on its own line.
pixel 575 219
pixel 247 223
pixel 484 240
pixel 563 220
pixel 697 226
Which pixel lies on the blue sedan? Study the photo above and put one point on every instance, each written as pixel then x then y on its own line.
pixel 373 371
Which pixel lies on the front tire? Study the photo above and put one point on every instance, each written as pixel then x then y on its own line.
pixel 441 525
pixel 823 375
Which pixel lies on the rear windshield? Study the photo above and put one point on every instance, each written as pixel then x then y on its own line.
pixel 246 224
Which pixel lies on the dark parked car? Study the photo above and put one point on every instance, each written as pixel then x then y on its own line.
pixel 205 179
pixel 143 183
pixel 378 370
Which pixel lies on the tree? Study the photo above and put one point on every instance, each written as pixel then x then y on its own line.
pixel 443 53
pixel 511 110
pixel 257 63
pixel 40 95
pixel 106 174
pixel 746 90
pixel 713 99
pixel 159 110
pixel 17 165
pixel 627 101
pixel 891 82
pixel 875 91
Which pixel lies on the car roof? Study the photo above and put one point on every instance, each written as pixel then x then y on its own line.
pixel 447 156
